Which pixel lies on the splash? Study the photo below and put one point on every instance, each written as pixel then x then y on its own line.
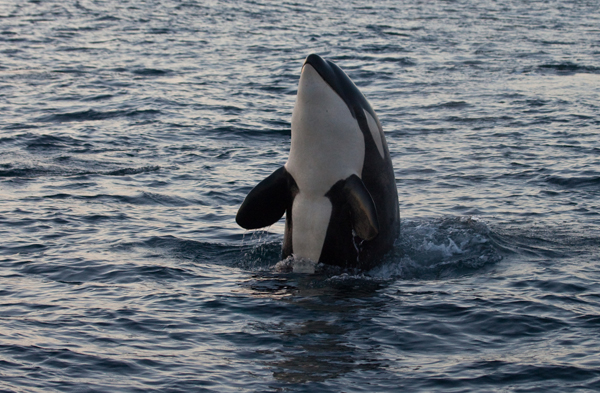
pixel 436 248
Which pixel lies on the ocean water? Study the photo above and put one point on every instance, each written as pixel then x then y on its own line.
pixel 131 131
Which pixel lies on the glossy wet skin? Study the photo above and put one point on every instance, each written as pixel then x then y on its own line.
pixel 341 203
pixel 327 146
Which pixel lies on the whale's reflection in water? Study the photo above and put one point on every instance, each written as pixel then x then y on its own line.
pixel 322 348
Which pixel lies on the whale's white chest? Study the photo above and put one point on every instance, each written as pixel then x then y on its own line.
pixel 327 146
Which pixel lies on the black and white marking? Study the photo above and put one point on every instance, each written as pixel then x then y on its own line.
pixel 337 188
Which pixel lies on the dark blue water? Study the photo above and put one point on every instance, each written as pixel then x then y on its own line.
pixel 131 131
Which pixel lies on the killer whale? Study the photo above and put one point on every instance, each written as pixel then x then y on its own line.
pixel 337 189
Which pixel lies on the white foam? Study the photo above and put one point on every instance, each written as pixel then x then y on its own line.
pixel 303 265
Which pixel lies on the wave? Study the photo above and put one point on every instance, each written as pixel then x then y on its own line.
pixel 131 171
pixel 140 199
pixel 226 131
pixel 568 68
pixel 449 105
pixel 93 115
pixel 150 72
pixel 196 251
pixel 440 248
pixel 40 171
pixel 48 142
pixel 574 182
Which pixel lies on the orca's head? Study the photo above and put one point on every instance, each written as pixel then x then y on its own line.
pixel 327 142
pixel 328 100
pixel 329 73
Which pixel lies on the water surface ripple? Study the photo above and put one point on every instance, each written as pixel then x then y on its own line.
pixel 131 132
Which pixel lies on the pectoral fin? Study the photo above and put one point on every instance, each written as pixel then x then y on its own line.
pixel 267 202
pixel 362 208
